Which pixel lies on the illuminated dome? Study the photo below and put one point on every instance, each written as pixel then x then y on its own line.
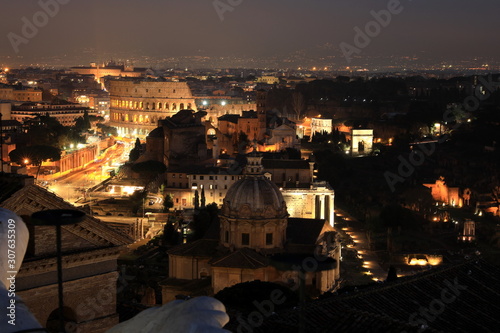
pixel 254 196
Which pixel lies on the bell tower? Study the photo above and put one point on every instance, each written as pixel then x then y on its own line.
pixel 261 112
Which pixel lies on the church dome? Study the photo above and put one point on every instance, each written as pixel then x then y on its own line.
pixel 254 196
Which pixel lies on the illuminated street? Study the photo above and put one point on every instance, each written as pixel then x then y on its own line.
pixel 73 186
pixel 354 229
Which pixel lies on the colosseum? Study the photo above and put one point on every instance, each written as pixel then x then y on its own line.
pixel 138 104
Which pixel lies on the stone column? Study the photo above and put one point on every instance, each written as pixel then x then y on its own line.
pixel 331 210
pixel 322 206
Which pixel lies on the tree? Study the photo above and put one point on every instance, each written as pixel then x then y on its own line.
pixel 203 219
pixel 137 201
pixel 82 124
pixel 168 202
pixel 136 151
pixel 298 104
pixel 149 170
pixel 107 130
pixel 170 234
pixel 35 155
pixel 196 199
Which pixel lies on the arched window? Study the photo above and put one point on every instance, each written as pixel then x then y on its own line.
pixel 181 107
pixel 167 107
pixel 147 106
pixel 174 107
pixel 160 106
pixel 189 106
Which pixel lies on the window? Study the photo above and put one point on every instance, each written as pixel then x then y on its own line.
pixel 245 239
pixel 194 176
pixel 225 187
pixel 173 175
pixel 173 184
pixel 226 237
pixel 216 187
pixel 211 186
pixel 211 177
pixel 202 177
pixel 225 177
pixel 269 239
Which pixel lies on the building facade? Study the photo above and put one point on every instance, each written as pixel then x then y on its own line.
pixel 13 93
pixel 138 104
pixel 65 112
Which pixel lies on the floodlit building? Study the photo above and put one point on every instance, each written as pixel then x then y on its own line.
pixel 137 105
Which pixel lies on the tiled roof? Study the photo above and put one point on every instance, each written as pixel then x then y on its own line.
pixel 461 298
pixel 29 199
pixel 242 258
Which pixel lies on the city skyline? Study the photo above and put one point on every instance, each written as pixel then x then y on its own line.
pixel 257 33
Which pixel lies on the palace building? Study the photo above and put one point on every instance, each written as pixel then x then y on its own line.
pixel 138 104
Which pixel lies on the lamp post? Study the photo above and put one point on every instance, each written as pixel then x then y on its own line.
pixel 58 218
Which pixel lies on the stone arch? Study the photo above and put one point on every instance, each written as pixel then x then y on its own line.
pixel 167 106
pixel 160 106
pixel 174 107
pixel 361 146
pixel 181 107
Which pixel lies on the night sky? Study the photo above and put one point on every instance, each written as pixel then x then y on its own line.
pixel 452 29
